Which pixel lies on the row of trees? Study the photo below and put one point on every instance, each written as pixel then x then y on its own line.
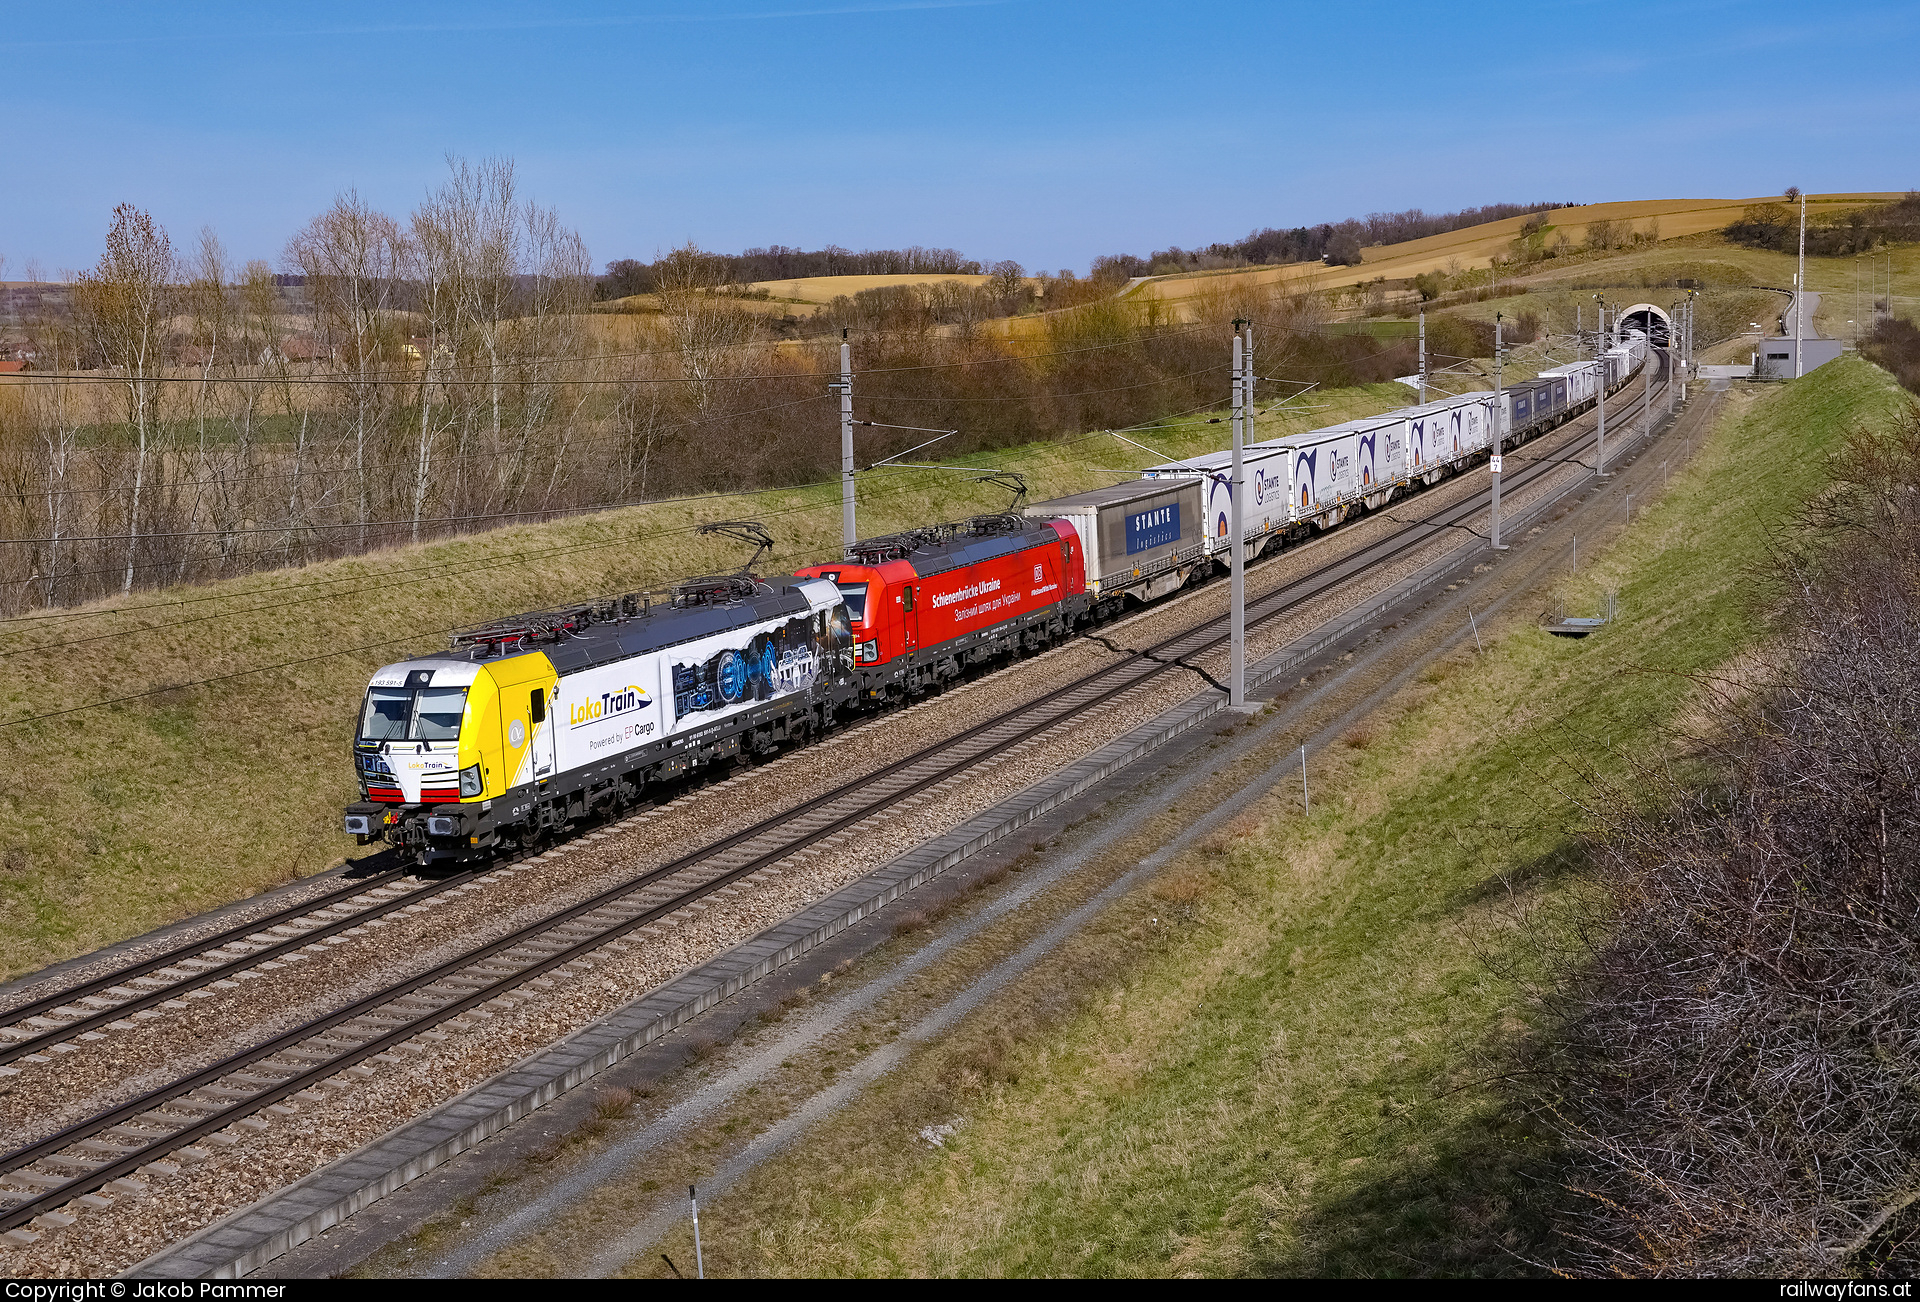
pixel 627 276
pixel 404 378
pixel 187 418
pixel 1776 226
pixel 401 378
pixel 1336 242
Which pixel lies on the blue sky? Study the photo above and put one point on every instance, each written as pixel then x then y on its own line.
pixel 1045 132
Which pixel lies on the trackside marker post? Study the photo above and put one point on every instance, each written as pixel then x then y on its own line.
pixel 1305 797
pixel 699 1262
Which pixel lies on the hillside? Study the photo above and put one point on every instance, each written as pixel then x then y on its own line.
pixel 1475 246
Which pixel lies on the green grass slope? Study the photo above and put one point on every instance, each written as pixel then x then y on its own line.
pixel 1295 1071
pixel 117 817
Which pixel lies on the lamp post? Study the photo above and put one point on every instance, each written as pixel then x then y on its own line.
pixel 848 533
pixel 1692 361
pixel 1600 392
pixel 1673 353
pixel 1423 357
pixel 1800 291
pixel 1242 417
pixel 1499 434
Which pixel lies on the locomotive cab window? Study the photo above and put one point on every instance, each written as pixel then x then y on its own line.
pixel 401 714
pixel 436 716
pixel 906 597
pixel 538 706
pixel 855 595
pixel 388 712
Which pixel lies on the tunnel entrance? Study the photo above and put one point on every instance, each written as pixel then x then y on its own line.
pixel 1650 320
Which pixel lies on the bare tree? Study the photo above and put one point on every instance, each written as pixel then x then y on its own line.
pixel 548 338
pixel 122 306
pixel 351 257
pixel 700 324
pixel 477 207
pixel 442 263
pixel 208 310
pixel 1009 279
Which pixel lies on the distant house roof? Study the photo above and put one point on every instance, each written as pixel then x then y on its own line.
pixel 299 348
pixel 12 367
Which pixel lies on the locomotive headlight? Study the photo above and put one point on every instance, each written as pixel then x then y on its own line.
pixel 870 649
pixel 470 784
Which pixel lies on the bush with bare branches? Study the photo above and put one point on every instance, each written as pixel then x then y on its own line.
pixel 1737 1066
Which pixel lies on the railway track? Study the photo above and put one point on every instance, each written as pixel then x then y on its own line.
pixel 238 953
pixel 120 1142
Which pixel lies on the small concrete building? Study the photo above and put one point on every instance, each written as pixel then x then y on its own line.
pixel 1773 358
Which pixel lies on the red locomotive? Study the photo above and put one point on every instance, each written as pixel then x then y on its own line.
pixel 928 604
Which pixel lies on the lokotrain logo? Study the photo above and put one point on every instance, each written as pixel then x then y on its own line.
pixel 609 705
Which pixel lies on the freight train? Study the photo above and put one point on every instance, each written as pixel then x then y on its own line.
pixel 529 726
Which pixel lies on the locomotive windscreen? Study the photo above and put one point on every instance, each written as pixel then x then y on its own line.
pixel 855 595
pixel 402 714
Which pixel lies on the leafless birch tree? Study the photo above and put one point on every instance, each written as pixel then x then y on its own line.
pixel 122 305
pixel 352 257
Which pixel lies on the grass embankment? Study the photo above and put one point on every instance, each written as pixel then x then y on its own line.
pixel 1295 1071
pixel 116 818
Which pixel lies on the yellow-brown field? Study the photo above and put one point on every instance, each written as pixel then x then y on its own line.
pixel 821 290
pixel 807 294
pixel 1476 246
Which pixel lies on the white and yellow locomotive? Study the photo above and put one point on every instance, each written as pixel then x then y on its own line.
pixel 526 726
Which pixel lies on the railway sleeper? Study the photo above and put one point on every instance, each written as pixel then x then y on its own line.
pixel 188 1104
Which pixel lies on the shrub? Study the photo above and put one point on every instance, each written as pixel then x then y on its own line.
pixel 1737 1069
pixel 1895 345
